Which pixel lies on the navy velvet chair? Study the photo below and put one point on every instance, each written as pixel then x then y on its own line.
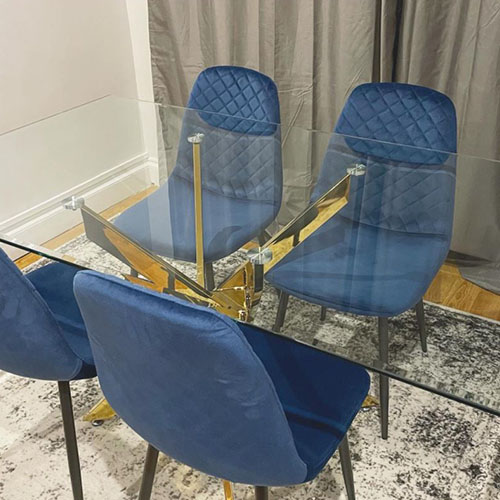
pixel 241 171
pixel 42 336
pixel 378 256
pixel 226 398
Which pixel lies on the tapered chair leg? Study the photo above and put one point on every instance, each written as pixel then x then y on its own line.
pixel 261 493
pixel 70 438
pixel 280 315
pixel 383 339
pixel 209 276
pixel 148 475
pixel 345 462
pixel 322 314
pixel 419 309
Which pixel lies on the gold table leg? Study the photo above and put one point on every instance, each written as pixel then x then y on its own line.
pixel 228 490
pixel 196 140
pixel 370 402
pixel 101 411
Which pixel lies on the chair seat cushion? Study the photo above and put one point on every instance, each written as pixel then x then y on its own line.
pixel 360 268
pixel 54 282
pixel 320 393
pixel 164 222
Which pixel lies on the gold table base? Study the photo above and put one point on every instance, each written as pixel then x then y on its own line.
pixel 228 490
pixel 100 412
pixel 370 402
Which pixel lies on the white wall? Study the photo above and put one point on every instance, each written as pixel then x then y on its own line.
pixel 139 33
pixel 55 55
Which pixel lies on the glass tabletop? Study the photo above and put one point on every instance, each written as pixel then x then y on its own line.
pixel 329 239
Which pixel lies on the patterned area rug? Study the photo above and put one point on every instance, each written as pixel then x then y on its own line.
pixel 437 449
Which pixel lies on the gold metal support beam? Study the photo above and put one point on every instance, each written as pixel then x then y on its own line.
pixel 158 273
pixel 100 411
pixel 370 402
pixel 308 222
pixel 196 140
pixel 241 284
pixel 228 490
pixel 241 291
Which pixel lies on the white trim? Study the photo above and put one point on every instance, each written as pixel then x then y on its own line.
pixel 154 172
pixel 83 189
pixel 49 219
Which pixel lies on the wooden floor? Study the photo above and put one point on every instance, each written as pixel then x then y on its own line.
pixel 448 288
pixel 451 290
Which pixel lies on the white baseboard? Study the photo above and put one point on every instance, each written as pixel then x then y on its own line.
pixel 49 219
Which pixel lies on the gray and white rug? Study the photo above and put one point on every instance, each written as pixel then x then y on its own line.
pixel 437 449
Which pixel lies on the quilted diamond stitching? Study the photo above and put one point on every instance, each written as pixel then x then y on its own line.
pixel 241 157
pixel 404 188
pixel 403 198
pixel 400 114
pixel 235 92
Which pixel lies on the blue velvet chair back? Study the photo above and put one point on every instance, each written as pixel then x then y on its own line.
pixel 241 151
pixel 408 189
pixel 29 334
pixel 185 379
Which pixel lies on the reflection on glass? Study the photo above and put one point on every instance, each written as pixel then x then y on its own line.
pixel 405 210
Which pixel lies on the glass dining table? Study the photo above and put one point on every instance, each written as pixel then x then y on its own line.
pixel 351 245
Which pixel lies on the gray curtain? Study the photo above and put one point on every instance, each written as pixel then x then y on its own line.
pixel 454 46
pixel 317 51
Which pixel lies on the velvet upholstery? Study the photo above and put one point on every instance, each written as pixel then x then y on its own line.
pixel 168 212
pixel 398 114
pixel 241 170
pixel 226 398
pixel 320 393
pixel 380 253
pixel 42 334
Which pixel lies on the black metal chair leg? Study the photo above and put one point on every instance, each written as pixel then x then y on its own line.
pixel 383 334
pixel 322 314
pixel 70 438
pixel 209 276
pixel 345 462
pixel 419 309
pixel 261 493
pixel 280 315
pixel 384 405
pixel 148 475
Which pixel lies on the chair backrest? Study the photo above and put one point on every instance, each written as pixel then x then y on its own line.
pixel 408 189
pixel 31 343
pixel 185 379
pixel 241 150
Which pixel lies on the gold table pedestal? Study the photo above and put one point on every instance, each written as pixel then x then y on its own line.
pixel 100 412
pixel 370 402
pixel 228 490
